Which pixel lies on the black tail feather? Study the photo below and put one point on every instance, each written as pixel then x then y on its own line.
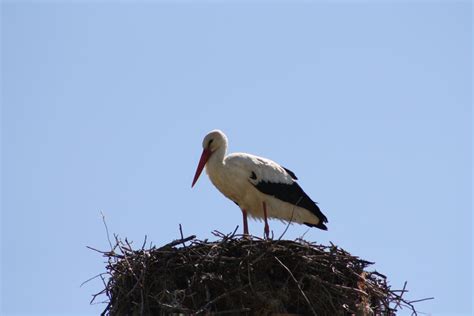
pixel 319 225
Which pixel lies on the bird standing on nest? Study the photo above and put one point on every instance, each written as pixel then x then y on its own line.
pixel 260 187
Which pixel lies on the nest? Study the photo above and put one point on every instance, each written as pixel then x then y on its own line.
pixel 244 275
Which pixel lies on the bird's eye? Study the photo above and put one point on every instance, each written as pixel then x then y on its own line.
pixel 209 143
pixel 253 176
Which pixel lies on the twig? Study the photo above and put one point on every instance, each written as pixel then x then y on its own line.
pixel 144 243
pixel 401 294
pixel 202 309
pixel 297 284
pixel 291 218
pixel 237 311
pixel 235 231
pixel 106 229
pixel 181 234
pixel 178 241
pixel 420 300
pixel 94 277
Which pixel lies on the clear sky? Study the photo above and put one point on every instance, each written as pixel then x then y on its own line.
pixel 104 107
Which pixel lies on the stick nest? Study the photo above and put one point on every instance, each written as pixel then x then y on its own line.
pixel 237 275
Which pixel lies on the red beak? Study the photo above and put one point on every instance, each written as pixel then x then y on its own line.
pixel 206 153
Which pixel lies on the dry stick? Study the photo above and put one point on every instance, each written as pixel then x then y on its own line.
pixel 218 234
pixel 178 241
pixel 202 309
pixel 105 253
pixel 144 243
pixel 233 311
pixel 304 234
pixel 106 229
pixel 235 230
pixel 421 300
pixel 181 233
pixel 90 279
pixel 95 296
pixel 225 237
pixel 129 266
pixel 400 300
pixel 142 305
pixel 350 289
pixel 129 245
pixel 291 218
pixel 106 309
pixel 297 284
pixel 330 298
pixel 287 225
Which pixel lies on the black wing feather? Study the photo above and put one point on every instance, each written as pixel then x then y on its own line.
pixel 291 173
pixel 293 194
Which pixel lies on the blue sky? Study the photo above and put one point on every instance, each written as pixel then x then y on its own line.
pixel 104 107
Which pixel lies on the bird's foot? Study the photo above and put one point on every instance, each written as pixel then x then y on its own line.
pixel 246 236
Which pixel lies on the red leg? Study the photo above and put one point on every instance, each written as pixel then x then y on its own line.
pixel 246 226
pixel 267 228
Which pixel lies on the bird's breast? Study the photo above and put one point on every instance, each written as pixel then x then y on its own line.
pixel 229 183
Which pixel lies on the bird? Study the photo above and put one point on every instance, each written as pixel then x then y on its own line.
pixel 259 186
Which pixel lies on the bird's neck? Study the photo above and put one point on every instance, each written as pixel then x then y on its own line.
pixel 216 161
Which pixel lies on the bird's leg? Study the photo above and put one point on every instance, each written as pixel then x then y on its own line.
pixel 267 228
pixel 244 217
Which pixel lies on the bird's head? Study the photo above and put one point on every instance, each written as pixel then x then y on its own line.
pixel 213 141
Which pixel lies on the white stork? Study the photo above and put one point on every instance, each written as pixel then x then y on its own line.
pixel 259 186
